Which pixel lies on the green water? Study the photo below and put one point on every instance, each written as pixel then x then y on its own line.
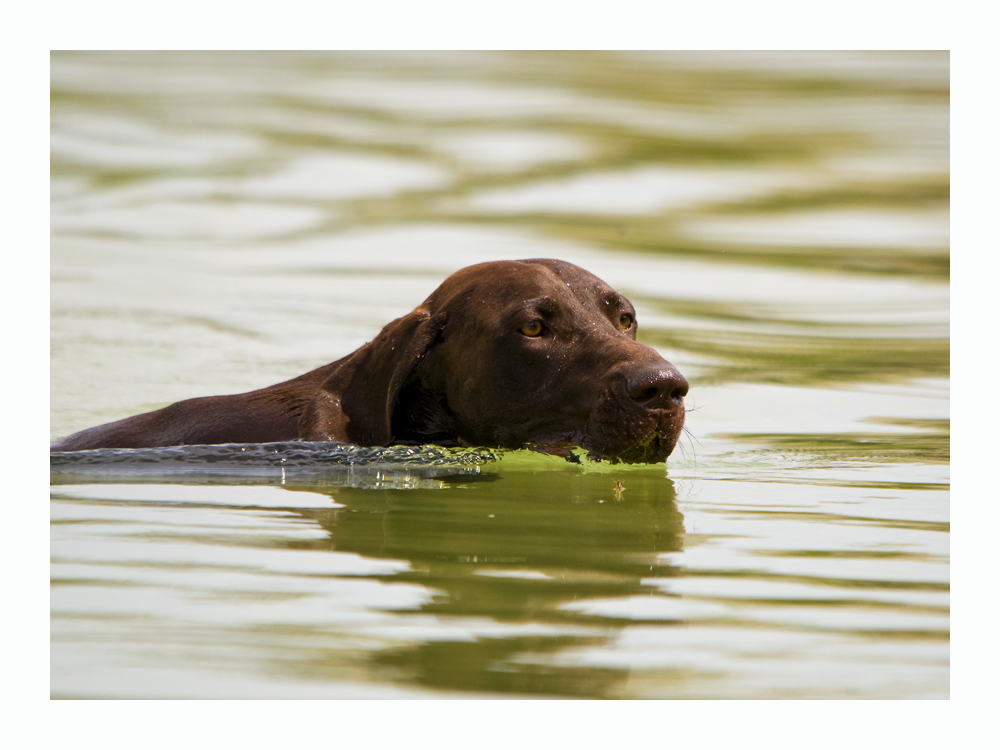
pixel 221 222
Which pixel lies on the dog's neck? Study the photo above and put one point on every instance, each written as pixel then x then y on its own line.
pixel 422 417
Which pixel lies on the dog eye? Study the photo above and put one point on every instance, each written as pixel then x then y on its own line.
pixel 625 321
pixel 533 329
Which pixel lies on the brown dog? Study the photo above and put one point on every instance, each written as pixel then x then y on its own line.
pixel 508 354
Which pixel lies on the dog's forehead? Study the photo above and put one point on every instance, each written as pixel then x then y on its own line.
pixel 504 282
pixel 572 276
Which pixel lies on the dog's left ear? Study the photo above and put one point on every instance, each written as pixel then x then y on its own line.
pixel 355 404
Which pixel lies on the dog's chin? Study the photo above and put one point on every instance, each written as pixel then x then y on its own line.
pixel 653 450
pixel 647 441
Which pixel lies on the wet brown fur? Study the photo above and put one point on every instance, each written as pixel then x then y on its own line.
pixel 458 370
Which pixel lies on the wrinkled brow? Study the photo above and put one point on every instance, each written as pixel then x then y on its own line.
pixel 545 307
pixel 604 300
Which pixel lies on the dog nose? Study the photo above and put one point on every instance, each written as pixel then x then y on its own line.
pixel 656 386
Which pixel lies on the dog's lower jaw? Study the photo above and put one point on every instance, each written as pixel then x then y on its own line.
pixel 651 441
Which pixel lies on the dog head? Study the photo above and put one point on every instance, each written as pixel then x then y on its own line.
pixel 509 354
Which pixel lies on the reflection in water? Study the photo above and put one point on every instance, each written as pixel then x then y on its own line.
pixel 498 558
pixel 528 578
pixel 514 551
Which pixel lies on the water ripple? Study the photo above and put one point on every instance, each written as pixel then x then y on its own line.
pixel 343 463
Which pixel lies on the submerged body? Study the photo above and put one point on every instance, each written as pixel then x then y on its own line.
pixel 505 354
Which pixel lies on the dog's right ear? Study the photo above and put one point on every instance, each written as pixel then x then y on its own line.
pixel 355 404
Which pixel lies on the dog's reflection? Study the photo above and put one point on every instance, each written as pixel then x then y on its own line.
pixel 514 550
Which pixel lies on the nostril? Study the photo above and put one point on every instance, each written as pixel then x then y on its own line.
pixel 657 387
pixel 646 394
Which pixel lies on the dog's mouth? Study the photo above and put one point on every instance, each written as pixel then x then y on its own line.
pixel 647 441
pixel 653 450
pixel 650 441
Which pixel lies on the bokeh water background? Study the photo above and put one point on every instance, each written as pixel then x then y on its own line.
pixel 221 222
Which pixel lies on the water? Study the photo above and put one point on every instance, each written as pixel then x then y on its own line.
pixel 221 222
